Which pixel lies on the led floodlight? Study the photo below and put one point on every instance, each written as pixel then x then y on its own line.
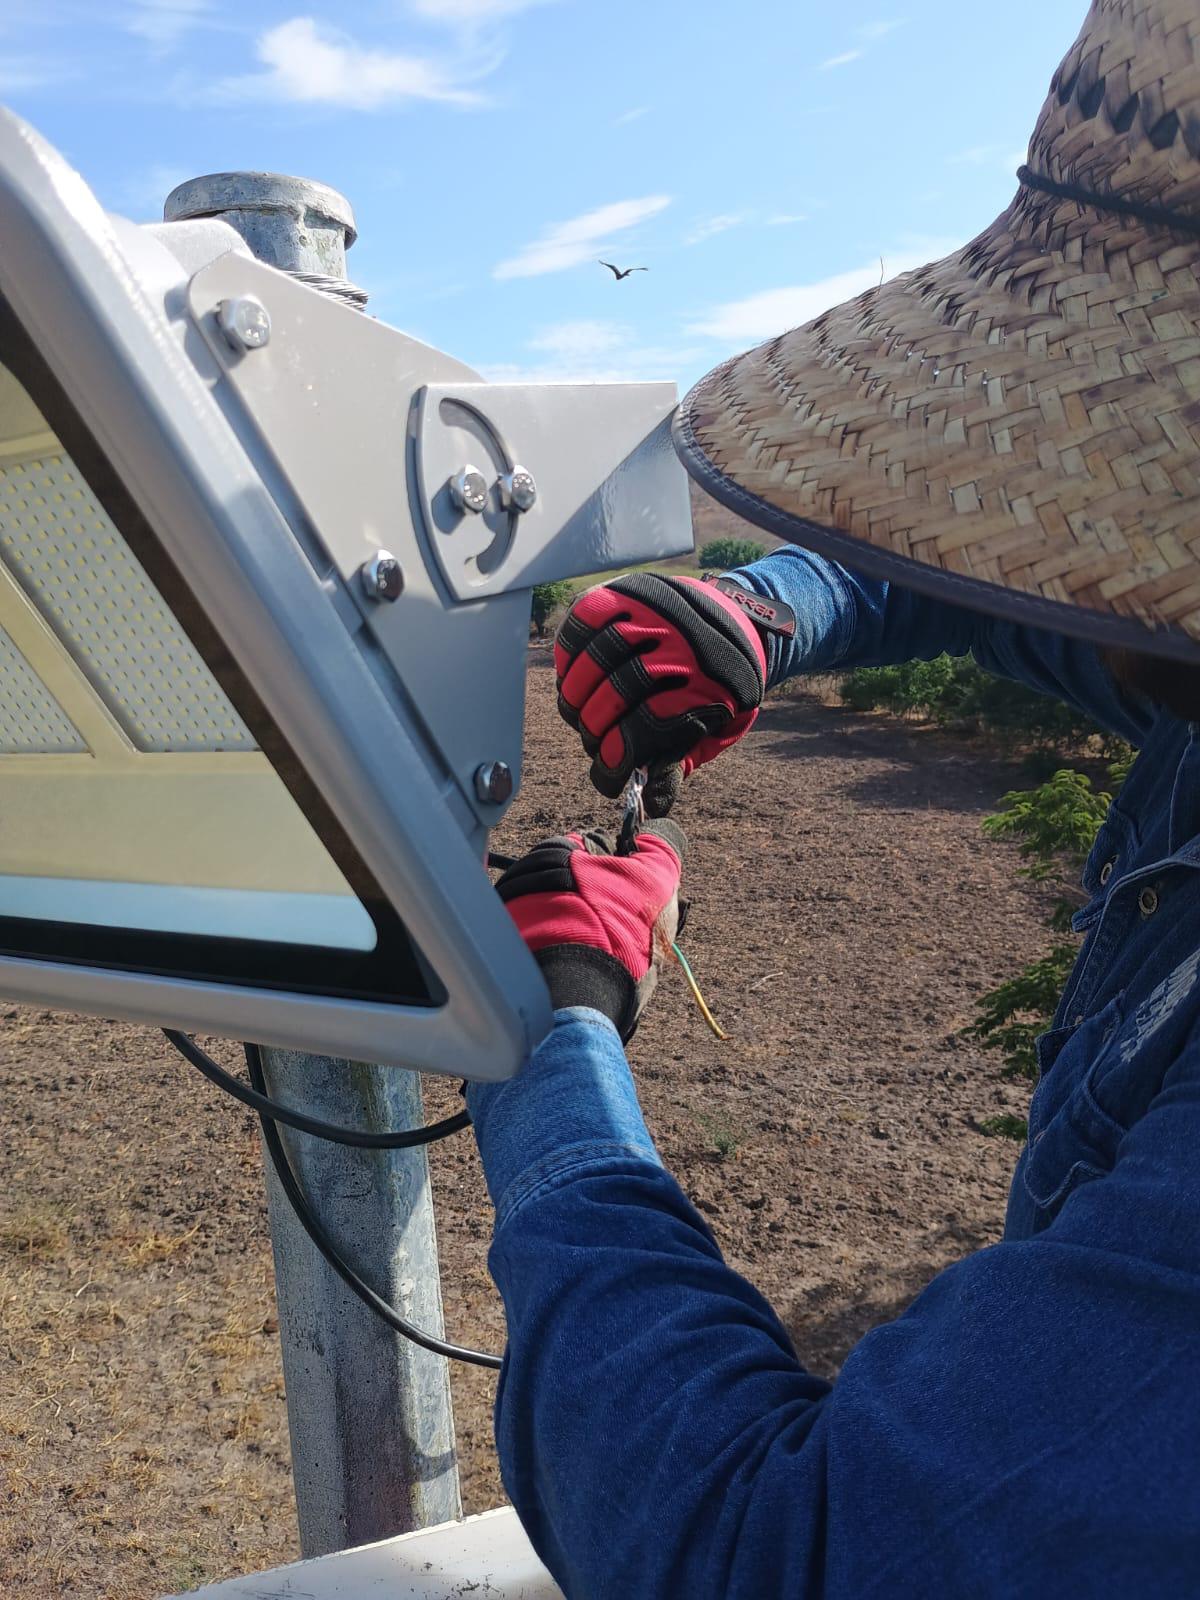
pixel 264 603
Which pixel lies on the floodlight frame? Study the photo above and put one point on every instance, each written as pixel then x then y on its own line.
pixel 124 383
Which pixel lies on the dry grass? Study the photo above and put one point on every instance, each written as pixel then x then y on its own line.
pixel 142 1421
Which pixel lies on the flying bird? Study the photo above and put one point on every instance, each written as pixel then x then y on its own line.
pixel 618 273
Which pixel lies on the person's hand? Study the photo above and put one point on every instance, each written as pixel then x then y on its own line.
pixel 661 673
pixel 599 922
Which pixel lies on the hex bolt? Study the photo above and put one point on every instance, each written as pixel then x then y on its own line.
pixel 382 576
pixel 245 322
pixel 494 782
pixel 518 492
pixel 469 490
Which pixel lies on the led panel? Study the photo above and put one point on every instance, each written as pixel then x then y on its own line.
pixel 62 548
pixel 31 720
pixel 152 812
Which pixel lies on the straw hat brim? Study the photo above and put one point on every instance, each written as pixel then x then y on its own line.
pixel 1013 429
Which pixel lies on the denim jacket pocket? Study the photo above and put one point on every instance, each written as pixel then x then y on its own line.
pixel 1073 1135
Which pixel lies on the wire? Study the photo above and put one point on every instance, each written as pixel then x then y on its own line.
pixel 336 288
pixel 695 988
pixel 321 1239
pixel 406 1139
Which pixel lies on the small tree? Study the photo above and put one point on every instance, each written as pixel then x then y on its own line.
pixel 722 554
pixel 548 600
pixel 956 692
pixel 1056 824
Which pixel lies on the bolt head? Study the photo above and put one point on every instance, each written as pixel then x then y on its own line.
pixel 469 490
pixel 494 782
pixel 382 576
pixel 518 491
pixel 245 322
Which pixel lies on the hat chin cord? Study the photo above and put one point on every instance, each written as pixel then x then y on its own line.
pixel 1155 216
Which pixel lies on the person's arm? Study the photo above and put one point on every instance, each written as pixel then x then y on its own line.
pixel 1025 1428
pixel 844 620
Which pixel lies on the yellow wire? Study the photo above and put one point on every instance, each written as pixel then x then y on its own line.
pixel 695 988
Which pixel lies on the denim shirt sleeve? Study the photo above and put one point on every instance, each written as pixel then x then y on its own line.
pixel 844 620
pixel 574 1102
pixel 1027 1426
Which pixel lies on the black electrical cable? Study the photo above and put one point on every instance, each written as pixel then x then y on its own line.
pixel 316 1232
pixel 257 1101
pixel 270 1113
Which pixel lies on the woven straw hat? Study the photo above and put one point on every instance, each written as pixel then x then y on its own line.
pixel 1015 428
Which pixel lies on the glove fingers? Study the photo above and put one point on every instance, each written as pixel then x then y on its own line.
pixel 643 739
pixel 586 675
pixel 545 870
pixel 607 781
pixel 662 790
pixel 653 672
pixel 653 835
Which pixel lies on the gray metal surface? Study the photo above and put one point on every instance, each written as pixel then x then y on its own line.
pixel 122 343
pixel 369 1418
pixel 332 398
pixel 294 224
pixel 609 491
pixel 370 1423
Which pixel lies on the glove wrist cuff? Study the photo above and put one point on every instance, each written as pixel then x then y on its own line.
pixel 580 975
pixel 766 613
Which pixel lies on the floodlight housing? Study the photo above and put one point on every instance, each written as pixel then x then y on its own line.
pixel 253 657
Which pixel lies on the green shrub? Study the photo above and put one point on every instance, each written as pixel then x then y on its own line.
pixel 548 600
pixel 722 554
pixel 1059 819
pixel 1056 824
pixel 954 689
pixel 1005 1126
pixel 1010 1017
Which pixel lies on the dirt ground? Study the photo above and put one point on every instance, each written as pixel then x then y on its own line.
pixel 846 915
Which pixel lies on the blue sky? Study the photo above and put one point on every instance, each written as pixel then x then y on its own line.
pixel 759 157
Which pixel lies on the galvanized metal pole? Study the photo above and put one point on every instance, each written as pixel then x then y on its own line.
pixel 372 1433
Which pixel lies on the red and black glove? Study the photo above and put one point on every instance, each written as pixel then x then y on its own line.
pixel 596 921
pixel 662 673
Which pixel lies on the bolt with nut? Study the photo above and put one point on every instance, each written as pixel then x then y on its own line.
pixel 245 322
pixel 469 490
pixel 518 491
pixel 382 576
pixel 494 782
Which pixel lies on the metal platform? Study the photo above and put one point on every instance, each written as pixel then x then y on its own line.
pixel 482 1556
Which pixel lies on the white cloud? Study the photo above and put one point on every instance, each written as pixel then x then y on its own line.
pixel 164 22
pixel 20 73
pixel 871 31
pixel 711 226
pixel 310 65
pixel 569 244
pixel 462 12
pixel 784 219
pixel 773 311
pixel 635 115
pixel 580 341
pixel 593 352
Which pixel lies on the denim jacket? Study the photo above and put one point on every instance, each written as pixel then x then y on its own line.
pixel 1030 1425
